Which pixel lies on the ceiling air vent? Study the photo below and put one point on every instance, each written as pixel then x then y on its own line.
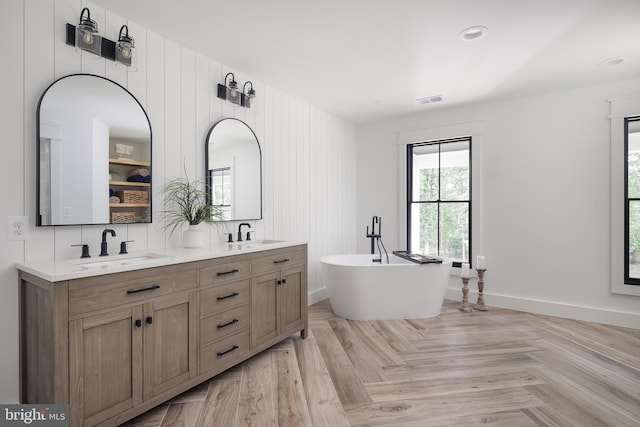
pixel 429 99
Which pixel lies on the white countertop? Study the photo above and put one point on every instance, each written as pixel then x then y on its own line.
pixel 68 269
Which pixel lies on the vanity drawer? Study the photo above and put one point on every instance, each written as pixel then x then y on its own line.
pixel 223 297
pixel 222 273
pixel 220 325
pixel 222 354
pixel 277 261
pixel 86 296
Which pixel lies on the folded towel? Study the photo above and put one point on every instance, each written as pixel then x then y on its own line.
pixel 114 199
pixel 139 171
pixel 140 178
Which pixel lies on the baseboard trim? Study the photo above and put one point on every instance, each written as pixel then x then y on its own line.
pixel 318 295
pixel 568 311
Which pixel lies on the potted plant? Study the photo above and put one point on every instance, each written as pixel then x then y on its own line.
pixel 185 201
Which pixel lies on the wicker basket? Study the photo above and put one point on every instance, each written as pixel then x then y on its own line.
pixel 123 217
pixel 132 196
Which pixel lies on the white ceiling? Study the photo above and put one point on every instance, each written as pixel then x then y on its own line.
pixel 365 60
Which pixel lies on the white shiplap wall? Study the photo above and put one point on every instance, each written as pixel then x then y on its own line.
pixel 308 155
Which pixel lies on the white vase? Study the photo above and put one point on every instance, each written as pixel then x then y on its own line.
pixel 192 238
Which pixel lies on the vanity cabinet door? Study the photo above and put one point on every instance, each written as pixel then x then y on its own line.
pixel 169 342
pixel 105 364
pixel 292 300
pixel 264 306
pixel 278 305
pixel 124 357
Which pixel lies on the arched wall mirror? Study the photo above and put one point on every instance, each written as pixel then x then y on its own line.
pixel 234 170
pixel 93 154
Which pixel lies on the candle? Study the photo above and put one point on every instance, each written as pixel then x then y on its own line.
pixel 480 265
pixel 464 273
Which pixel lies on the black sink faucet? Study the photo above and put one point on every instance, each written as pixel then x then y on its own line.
pixel 103 245
pixel 240 230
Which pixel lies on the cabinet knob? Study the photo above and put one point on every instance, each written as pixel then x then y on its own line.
pixel 149 320
pixel 138 323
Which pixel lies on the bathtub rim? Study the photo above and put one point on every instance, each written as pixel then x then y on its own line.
pixel 402 262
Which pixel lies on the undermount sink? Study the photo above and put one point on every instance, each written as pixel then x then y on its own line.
pixel 255 243
pixel 117 261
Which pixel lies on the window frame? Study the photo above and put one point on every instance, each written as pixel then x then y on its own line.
pixel 628 280
pixel 409 191
pixel 226 207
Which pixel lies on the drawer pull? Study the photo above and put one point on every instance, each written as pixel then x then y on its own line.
pixel 150 288
pixel 222 353
pixel 223 273
pixel 222 325
pixel 279 261
pixel 235 294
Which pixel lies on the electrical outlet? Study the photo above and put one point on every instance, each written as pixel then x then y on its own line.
pixel 18 228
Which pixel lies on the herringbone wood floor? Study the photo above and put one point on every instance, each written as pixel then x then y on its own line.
pixel 499 368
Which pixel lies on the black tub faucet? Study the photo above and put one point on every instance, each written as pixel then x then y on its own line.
pixel 103 245
pixel 373 235
pixel 240 230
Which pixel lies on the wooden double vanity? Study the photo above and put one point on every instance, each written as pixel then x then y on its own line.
pixel 114 342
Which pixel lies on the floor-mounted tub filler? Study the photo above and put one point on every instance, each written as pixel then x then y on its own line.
pixel 364 290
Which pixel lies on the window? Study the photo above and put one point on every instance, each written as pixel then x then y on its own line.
pixel 221 190
pixel 439 199
pixel 632 201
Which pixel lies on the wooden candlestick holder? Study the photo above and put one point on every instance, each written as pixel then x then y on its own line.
pixel 479 305
pixel 465 307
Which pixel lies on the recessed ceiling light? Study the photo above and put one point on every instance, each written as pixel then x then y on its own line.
pixel 473 33
pixel 612 61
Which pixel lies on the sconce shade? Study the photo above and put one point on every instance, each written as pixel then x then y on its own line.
pixel 124 49
pixel 87 37
pixel 233 95
pixel 247 96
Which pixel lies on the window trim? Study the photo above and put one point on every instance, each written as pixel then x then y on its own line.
pixel 632 281
pixel 619 108
pixel 409 190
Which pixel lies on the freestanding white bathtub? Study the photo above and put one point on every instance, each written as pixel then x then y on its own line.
pixel 363 290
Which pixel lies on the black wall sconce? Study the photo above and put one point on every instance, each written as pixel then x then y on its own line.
pixel 229 91
pixel 85 38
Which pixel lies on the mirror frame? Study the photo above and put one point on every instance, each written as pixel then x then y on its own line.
pixel 37 160
pixel 208 175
